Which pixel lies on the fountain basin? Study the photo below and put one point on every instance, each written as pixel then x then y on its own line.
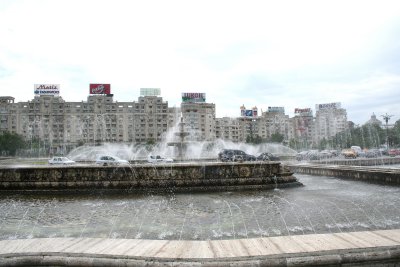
pixel 179 177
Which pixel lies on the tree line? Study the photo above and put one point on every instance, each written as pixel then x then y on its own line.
pixel 366 136
pixel 10 143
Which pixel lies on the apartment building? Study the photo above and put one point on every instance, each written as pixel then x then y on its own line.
pixel 302 125
pixel 227 128
pixel 274 121
pixel 8 118
pixel 330 119
pixel 63 125
pixel 199 119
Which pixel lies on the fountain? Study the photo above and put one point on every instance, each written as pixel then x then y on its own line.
pixel 180 145
pixel 87 227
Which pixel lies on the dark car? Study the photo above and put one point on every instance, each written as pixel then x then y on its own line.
pixel 373 153
pixel 303 155
pixel 235 155
pixel 266 156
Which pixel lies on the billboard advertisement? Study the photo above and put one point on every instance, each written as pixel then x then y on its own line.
pixel 335 105
pixel 303 111
pixel 255 112
pixel 276 109
pixel 47 89
pixel 248 113
pixel 99 89
pixel 150 91
pixel 194 97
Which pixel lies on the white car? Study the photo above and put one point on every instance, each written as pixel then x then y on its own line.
pixel 110 160
pixel 61 160
pixel 155 159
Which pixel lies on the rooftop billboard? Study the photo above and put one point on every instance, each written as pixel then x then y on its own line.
pixel 47 89
pixel 335 105
pixel 150 91
pixel 194 97
pixel 99 89
pixel 248 113
pixel 276 109
pixel 303 111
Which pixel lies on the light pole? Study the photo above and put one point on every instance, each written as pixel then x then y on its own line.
pixel 387 117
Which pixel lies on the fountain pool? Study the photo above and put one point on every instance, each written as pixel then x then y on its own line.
pixel 323 205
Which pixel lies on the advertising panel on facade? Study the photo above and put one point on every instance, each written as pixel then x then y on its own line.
pixel 150 91
pixel 194 97
pixel 276 109
pixel 47 89
pixel 255 112
pixel 335 105
pixel 99 89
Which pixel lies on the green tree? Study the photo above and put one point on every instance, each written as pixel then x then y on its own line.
pixel 366 136
pixel 395 134
pixel 277 138
pixel 323 144
pixel 10 143
pixel 254 139
pixel 293 144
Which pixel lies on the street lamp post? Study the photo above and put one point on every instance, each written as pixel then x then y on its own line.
pixel 387 117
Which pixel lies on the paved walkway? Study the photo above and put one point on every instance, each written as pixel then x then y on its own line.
pixel 299 250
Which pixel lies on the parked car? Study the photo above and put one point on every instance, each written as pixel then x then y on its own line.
pixel 334 152
pixel 325 154
pixel 393 152
pixel 358 150
pixel 157 158
pixel 110 160
pixel 266 156
pixel 303 155
pixel 313 155
pixel 373 153
pixel 61 160
pixel 383 149
pixel 349 153
pixel 235 155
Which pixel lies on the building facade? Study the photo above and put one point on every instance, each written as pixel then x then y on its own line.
pixel 330 119
pixel 62 125
pixel 302 125
pixel 227 128
pixel 199 119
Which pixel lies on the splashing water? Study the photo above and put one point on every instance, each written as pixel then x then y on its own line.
pixel 323 205
pixel 194 150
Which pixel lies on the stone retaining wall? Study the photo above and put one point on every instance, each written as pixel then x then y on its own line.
pixel 360 161
pixel 177 177
pixel 374 175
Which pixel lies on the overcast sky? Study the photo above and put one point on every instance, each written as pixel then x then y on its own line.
pixel 263 53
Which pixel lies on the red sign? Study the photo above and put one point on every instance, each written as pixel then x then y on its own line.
pixel 302 110
pixel 100 89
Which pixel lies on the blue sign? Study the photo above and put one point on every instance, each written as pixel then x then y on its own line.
pixel 248 113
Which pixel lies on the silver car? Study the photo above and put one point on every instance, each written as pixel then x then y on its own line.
pixel 110 161
pixel 61 161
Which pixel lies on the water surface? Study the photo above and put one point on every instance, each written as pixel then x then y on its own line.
pixel 322 205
